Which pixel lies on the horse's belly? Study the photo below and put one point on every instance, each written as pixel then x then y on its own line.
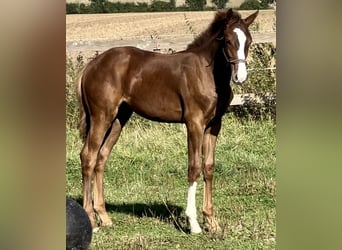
pixel 167 116
pixel 157 105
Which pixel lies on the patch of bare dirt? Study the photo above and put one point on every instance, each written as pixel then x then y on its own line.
pixel 150 31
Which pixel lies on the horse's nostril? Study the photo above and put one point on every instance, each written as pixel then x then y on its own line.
pixel 235 78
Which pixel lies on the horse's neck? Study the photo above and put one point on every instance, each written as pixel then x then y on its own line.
pixel 209 52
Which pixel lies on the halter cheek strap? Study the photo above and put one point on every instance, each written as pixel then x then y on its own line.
pixel 226 57
pixel 232 60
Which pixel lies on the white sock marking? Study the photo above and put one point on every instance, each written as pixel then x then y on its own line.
pixel 242 71
pixel 191 209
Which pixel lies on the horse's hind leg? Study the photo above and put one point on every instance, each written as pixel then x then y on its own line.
pixel 114 131
pixel 88 156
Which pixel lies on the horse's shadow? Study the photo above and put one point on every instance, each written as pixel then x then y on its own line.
pixel 165 212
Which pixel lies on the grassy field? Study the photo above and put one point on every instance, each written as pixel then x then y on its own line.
pixel 146 187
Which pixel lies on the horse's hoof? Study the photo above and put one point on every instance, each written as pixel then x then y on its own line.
pixel 96 229
pixel 212 227
pixel 194 226
pixel 196 230
pixel 107 224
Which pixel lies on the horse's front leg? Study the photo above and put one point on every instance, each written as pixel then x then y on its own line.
pixel 209 142
pixel 195 140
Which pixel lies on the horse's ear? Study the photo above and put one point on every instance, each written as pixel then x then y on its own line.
pixel 229 13
pixel 248 20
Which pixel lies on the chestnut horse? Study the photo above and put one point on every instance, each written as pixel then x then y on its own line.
pixel 191 87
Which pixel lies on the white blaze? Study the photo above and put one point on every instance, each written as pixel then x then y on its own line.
pixel 242 71
pixel 191 209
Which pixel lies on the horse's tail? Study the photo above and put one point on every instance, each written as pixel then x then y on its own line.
pixel 83 124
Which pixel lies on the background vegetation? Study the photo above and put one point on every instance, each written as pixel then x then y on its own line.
pixel 106 6
pixel 255 4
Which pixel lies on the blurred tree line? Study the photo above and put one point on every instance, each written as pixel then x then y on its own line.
pixel 106 6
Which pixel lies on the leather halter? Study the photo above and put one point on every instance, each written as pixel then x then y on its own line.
pixel 226 57
pixel 234 60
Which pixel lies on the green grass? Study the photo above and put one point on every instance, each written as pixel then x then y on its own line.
pixel 146 187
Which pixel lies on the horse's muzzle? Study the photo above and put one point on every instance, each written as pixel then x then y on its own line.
pixel 238 80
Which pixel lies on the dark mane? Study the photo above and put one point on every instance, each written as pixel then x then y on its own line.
pixel 215 29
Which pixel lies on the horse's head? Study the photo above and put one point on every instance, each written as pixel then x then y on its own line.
pixel 237 40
